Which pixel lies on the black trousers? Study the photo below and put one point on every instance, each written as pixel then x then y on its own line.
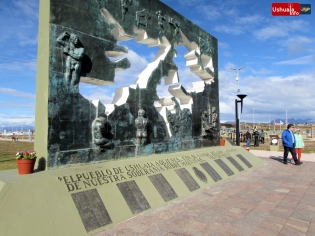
pixel 262 139
pixel 256 143
pixel 286 152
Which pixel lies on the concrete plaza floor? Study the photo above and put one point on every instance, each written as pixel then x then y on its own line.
pixel 274 199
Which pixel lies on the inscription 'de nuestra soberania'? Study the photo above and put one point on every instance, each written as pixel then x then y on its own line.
pixel 116 174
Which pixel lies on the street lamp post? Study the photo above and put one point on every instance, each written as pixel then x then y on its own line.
pixel 269 122
pixel 238 87
pixel 237 79
pixel 253 118
pixel 241 97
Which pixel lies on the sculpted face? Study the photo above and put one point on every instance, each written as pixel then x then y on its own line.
pixel 141 112
pixel 74 39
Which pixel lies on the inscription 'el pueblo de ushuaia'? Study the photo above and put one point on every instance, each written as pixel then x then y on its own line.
pixel 110 175
pixel 116 174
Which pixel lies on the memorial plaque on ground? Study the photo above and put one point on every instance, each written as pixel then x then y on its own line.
pixel 91 209
pixel 89 189
pixel 86 199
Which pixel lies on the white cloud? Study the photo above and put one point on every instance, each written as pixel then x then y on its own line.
pixel 262 71
pixel 189 2
pixel 268 95
pixel 226 108
pixel 223 45
pixel 298 61
pixel 268 57
pixel 280 29
pixel 16 93
pixel 25 40
pixel 96 93
pixel 251 20
pixel 123 78
pixel 210 12
pixel 229 29
pixel 17 120
pixel 299 44
pixel 299 39
pixel 227 54
pixel 15 104
pixel 9 65
pixel 28 8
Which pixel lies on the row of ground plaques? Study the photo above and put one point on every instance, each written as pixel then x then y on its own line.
pixel 95 215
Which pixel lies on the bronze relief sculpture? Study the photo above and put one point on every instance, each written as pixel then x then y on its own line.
pixel 74 52
pixel 141 124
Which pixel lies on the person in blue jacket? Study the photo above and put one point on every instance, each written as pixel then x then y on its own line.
pixel 288 142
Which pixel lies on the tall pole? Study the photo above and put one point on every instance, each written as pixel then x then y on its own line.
pixel 237 124
pixel 269 122
pixel 238 87
pixel 253 118
pixel 237 120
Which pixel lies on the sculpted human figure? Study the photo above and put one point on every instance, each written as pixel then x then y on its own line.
pixel 142 18
pixel 74 53
pixel 214 119
pixel 98 130
pixel 124 7
pixel 176 26
pixel 141 124
pixel 161 20
pixel 205 122
pixel 172 121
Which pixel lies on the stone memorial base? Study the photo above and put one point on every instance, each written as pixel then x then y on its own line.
pixel 84 200
pixel 274 148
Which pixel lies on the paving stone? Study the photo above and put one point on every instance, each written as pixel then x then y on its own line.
pixel 260 231
pixel 267 224
pixel 304 212
pixel 308 199
pixel 311 229
pixel 269 200
pixel 298 224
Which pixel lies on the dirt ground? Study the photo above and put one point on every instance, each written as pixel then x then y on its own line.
pixel 9 148
pixel 309 145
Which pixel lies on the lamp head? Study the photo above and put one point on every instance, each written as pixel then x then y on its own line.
pixel 241 96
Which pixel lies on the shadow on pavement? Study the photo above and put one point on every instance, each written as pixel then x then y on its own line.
pixel 277 158
pixel 280 159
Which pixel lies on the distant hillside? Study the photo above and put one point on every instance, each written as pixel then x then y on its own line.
pixel 295 121
pixel 16 128
pixel 291 120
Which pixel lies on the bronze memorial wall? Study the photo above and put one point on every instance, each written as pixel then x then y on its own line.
pixel 110 162
pixel 77 43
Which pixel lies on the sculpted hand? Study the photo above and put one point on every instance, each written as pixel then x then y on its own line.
pixel 66 49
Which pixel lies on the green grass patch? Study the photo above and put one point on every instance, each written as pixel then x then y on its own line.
pixel 8 150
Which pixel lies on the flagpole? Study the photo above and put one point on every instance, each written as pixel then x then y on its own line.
pixel 274 126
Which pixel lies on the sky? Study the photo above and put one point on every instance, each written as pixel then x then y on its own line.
pixel 277 53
